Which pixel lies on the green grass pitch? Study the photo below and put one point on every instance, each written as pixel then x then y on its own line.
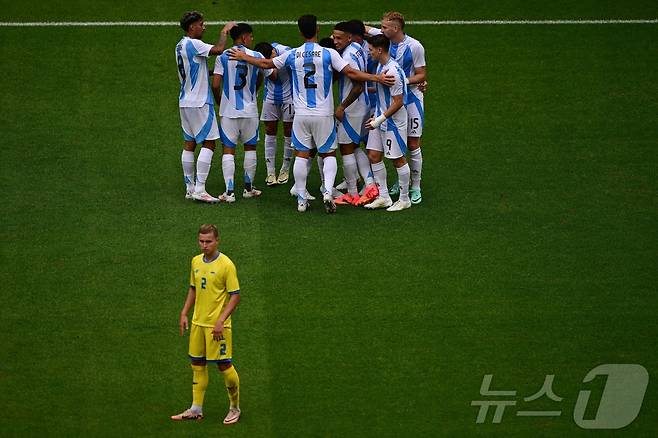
pixel 533 253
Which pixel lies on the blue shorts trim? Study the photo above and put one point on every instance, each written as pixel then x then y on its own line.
pixel 298 144
pixel 254 140
pixel 224 138
pixel 326 147
pixel 354 136
pixel 220 361
pixel 201 136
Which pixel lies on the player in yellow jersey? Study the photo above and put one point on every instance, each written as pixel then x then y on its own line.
pixel 214 292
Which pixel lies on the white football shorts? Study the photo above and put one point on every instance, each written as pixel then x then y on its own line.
pixel 199 124
pixel 392 142
pixel 273 112
pixel 244 129
pixel 314 132
pixel 415 115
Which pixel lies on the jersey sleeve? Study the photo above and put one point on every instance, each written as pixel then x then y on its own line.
pixel 281 60
pixel 418 55
pixel 202 49
pixel 398 87
pixel 337 62
pixel 232 284
pixel 192 276
pixel 374 31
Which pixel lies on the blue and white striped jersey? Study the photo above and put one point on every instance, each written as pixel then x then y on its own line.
pixel 192 57
pixel 384 96
pixel 279 90
pixel 355 58
pixel 238 85
pixel 311 73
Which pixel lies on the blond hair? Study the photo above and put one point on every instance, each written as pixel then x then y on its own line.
pixel 209 228
pixel 394 16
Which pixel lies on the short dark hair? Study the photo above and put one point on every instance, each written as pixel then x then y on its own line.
pixel 327 42
pixel 358 28
pixel 308 25
pixel 343 26
pixel 188 18
pixel 379 41
pixel 240 29
pixel 264 49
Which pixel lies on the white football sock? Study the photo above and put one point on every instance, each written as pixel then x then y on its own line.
pixel 379 172
pixel 249 168
pixel 187 158
pixel 228 169
pixel 300 170
pixel 403 179
pixel 349 170
pixel 203 169
pixel 329 168
pixel 364 165
pixel 416 166
pixel 287 153
pixel 320 161
pixel 270 153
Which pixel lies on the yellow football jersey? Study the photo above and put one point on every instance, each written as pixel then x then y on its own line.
pixel 214 282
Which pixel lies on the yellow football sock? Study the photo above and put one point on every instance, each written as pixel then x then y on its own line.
pixel 232 382
pixel 199 383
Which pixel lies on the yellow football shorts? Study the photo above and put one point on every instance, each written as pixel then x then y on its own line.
pixel 204 347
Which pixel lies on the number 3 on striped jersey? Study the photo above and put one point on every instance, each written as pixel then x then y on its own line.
pixel 241 75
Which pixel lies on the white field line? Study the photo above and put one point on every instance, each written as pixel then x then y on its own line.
pixel 274 23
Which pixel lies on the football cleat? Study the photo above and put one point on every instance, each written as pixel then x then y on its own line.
pixel 283 176
pixel 399 205
pixel 270 180
pixel 308 196
pixel 379 203
pixel 345 199
pixel 253 193
pixel 302 205
pixel 416 197
pixel 329 204
pixel 233 416
pixel 342 186
pixel 355 200
pixel 229 199
pixel 370 193
pixel 189 194
pixel 395 188
pixel 189 414
pixel 204 197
